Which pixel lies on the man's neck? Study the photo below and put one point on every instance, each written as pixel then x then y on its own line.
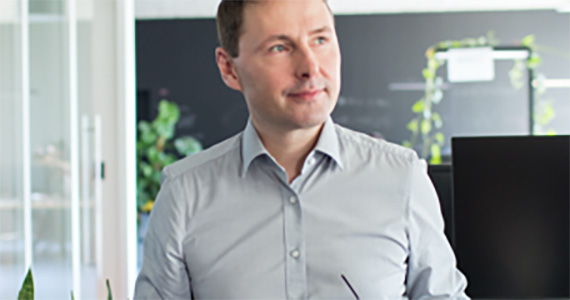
pixel 289 147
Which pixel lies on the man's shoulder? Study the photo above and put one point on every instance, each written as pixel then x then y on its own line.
pixel 204 158
pixel 357 141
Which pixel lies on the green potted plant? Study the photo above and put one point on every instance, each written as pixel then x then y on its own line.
pixel 27 290
pixel 157 149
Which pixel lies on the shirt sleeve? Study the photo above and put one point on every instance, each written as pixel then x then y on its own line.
pixel 432 271
pixel 164 274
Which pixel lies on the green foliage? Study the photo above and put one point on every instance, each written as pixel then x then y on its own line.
pixel 544 113
pixel 437 122
pixel 439 138
pixel 109 293
pixel 435 154
pixel 426 126
pixel 155 150
pixel 543 109
pixel 528 40
pixel 27 289
pixel 516 74
pixel 413 126
pixel 429 143
pixel 426 119
pixel 533 61
pixel 187 145
pixel 428 74
pixel 418 106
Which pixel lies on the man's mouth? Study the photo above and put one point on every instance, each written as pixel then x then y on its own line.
pixel 307 94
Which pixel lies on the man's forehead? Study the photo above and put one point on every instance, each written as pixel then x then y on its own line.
pixel 270 17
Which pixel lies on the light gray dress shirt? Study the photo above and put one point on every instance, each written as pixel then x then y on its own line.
pixel 227 224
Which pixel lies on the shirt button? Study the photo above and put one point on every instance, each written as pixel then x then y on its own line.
pixel 293 199
pixel 295 253
pixel 312 161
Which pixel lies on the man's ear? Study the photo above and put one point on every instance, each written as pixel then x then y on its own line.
pixel 227 69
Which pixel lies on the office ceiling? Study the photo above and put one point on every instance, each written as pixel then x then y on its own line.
pixel 164 9
pixel 407 6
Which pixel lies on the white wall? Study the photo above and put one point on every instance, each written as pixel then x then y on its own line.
pixel 171 9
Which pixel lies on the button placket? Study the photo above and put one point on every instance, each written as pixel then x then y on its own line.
pixel 295 264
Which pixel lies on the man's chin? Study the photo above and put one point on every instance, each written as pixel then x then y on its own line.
pixel 310 122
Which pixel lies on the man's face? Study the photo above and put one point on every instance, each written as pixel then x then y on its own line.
pixel 288 66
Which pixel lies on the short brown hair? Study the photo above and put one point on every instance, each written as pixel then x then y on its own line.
pixel 229 20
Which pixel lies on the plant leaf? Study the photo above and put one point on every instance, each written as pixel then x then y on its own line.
pixel 548 114
pixel 440 138
pixel 435 154
pixel 146 169
pixel 148 137
pixel 152 154
pixel 418 107
pixel 428 74
pixel 109 293
pixel 27 290
pixel 430 53
pixel 456 44
pixel 528 40
pixel 482 41
pixel 168 115
pixel 426 126
pixel 533 61
pixel 413 126
pixel 147 207
pixel 187 145
pixel 437 96
pixel 433 64
pixel 437 120
pixel 144 126
pixel 491 39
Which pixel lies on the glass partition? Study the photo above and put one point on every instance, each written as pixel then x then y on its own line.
pixel 48 146
pixel 12 237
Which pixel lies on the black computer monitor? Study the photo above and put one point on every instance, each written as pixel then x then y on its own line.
pixel 511 213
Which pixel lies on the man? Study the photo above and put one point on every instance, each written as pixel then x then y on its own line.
pixel 294 202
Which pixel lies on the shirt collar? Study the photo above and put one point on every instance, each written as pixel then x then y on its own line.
pixel 328 142
pixel 252 147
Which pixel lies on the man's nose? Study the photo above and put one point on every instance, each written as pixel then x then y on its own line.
pixel 307 63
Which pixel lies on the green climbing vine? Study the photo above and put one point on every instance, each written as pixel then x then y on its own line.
pixel 543 107
pixel 425 127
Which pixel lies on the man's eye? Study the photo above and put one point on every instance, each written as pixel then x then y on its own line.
pixel 277 48
pixel 320 40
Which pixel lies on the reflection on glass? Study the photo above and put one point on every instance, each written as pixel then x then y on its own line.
pixel 50 140
pixel 50 150
pixel 12 259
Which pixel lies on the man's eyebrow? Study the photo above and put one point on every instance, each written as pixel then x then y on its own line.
pixel 270 39
pixel 324 29
pixel 283 37
pixel 276 37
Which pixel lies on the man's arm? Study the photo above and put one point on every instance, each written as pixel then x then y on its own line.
pixel 432 271
pixel 164 274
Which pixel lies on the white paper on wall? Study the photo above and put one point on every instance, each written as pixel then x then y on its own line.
pixel 470 64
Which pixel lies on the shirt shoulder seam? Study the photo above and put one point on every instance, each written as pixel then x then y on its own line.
pixel 197 160
pixel 376 143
